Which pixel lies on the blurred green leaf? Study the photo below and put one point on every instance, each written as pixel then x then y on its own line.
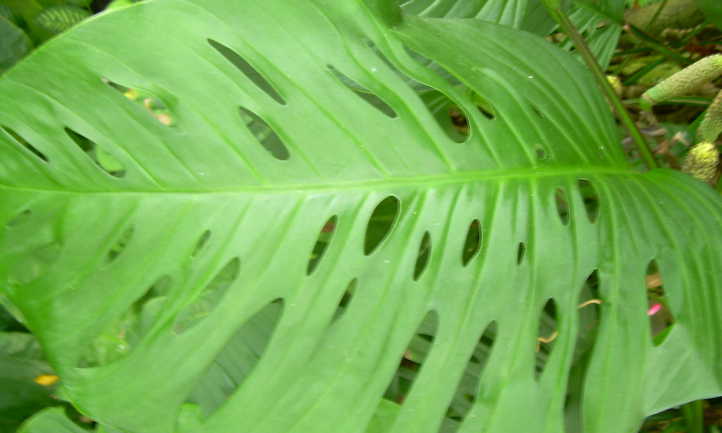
pixel 20 364
pixel 712 10
pixel 14 44
pixel 51 420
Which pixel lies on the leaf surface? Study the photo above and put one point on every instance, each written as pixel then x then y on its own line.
pixel 167 235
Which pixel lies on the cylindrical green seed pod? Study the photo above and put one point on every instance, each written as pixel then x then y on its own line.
pixel 702 161
pixel 686 81
pixel 57 19
pixel 711 126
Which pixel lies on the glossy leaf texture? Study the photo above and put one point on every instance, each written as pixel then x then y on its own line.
pixel 261 250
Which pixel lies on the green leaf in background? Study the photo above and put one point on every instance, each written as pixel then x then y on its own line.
pixel 285 288
pixel 54 420
pixel 20 364
pixel 712 10
pixel 57 19
pixel 51 420
pixel 599 20
pixel 14 44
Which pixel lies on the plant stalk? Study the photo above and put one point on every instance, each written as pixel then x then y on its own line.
pixel 568 27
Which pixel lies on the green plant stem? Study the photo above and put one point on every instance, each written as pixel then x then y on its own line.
pixel 568 27
pixel 694 416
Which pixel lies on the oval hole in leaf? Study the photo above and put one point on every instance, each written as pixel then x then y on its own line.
pixel 151 103
pixel 483 105
pixel 265 135
pixel 422 260
pixel 209 298
pixel 459 123
pixel 541 154
pixel 248 70
pixel 239 357
pixel 547 335
pixel 102 159
pixel 660 316
pixel 590 198
pixel 363 93
pixel 562 205
pixel 346 299
pixel 202 241
pixel 322 241
pixel 467 389
pixel 120 244
pixel 589 314
pixel 25 144
pixel 472 244
pixel 450 118
pixel 412 359
pixel 520 252
pixel 380 223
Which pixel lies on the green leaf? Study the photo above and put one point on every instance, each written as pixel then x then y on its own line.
pixel 14 44
pixel 20 363
pixel 712 10
pixel 52 420
pixel 508 12
pixel 178 250
pixel 383 417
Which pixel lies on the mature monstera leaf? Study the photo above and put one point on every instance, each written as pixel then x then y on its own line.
pixel 265 247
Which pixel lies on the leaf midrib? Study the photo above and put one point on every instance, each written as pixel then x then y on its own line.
pixel 387 183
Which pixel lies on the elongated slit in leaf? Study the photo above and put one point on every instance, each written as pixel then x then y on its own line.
pixel 589 317
pixel 422 260
pixel 547 335
pixel 472 244
pixel 265 134
pixel 102 159
pixel 25 144
pixel 467 388
pixel 660 316
pixel 248 70
pixel 590 198
pixel 209 298
pixel 412 360
pixel 562 205
pixel 520 252
pixel 120 244
pixel 324 238
pixel 450 118
pixel 346 298
pixel 151 104
pixel 200 245
pixel 590 302
pixel 380 223
pixel 363 93
pixel 238 359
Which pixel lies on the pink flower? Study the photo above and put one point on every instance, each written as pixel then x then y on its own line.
pixel 654 309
